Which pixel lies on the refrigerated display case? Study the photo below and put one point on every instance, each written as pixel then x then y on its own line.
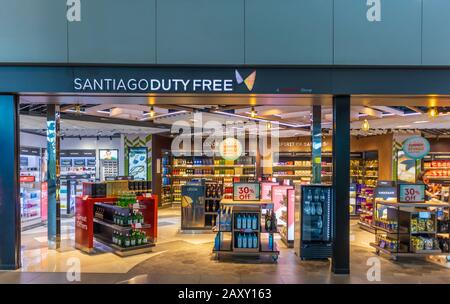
pixel 314 226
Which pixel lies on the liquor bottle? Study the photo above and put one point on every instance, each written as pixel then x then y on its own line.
pixel 244 222
pixel 255 240
pixel 239 240
pixel 271 241
pixel 239 222
pixel 249 221
pixel 274 221
pixel 322 195
pixel 127 240
pixel 254 222
pixel 268 222
pixel 244 240
pixel 316 195
pixel 133 239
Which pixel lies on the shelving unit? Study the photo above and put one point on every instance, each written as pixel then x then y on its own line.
pixel 167 196
pixel 187 168
pixel 437 167
pixel 296 166
pixel 366 202
pixel 230 237
pixel 410 229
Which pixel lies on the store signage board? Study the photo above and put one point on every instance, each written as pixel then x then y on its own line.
pixel 137 163
pixel 27 179
pixel 416 147
pixel 411 193
pixel 246 192
pixel 385 192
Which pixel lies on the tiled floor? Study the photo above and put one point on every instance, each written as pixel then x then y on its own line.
pixel 187 258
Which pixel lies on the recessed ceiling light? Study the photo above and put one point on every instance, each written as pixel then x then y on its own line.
pixel 403 126
pixel 421 121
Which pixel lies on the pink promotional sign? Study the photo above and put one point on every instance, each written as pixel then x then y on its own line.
pixel 266 190
pixel 291 207
pixel 280 203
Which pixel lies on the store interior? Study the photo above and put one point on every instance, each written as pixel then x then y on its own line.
pixel 134 150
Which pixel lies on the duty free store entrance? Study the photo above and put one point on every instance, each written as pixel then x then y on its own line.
pixel 340 101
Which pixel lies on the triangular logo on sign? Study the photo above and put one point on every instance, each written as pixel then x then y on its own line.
pixel 249 81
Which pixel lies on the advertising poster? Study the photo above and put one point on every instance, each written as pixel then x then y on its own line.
pixel 193 206
pixel 137 163
pixel 280 204
pixel 291 211
pixel 108 154
pixel 406 168
pixel 266 190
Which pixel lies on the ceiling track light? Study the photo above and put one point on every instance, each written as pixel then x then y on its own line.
pixel 152 112
pixel 433 112
pixel 365 126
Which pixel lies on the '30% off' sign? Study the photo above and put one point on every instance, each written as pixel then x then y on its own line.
pixel 246 191
pixel 412 193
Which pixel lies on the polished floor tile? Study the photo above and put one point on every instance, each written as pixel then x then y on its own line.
pixel 187 258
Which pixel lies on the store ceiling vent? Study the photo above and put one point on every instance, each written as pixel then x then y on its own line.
pixel 126 113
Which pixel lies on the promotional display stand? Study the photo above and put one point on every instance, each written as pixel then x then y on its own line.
pixel 97 218
pixel 240 229
pixel 411 226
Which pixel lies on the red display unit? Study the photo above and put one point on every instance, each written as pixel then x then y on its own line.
pixel 86 219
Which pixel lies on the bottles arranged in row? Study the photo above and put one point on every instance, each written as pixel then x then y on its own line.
pixel 212 206
pixel 270 220
pixel 138 185
pixel 127 219
pixel 316 195
pixel 208 161
pixel 247 240
pixel 214 190
pixel 129 239
pixel 125 199
pixel 247 221
pixel 224 219
pixel 313 208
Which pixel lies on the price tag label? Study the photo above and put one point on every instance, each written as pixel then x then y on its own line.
pixel 138 225
pixel 411 193
pixel 246 192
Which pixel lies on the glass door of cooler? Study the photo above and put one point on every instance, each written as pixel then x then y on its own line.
pixel 316 214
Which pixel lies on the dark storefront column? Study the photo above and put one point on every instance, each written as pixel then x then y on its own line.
pixel 9 184
pixel 316 145
pixel 53 173
pixel 341 184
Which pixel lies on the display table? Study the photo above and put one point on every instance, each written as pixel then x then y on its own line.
pixel 240 232
pixel 94 219
pixel 411 229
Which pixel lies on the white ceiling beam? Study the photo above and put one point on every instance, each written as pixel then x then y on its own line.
pixel 389 110
pixel 368 111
